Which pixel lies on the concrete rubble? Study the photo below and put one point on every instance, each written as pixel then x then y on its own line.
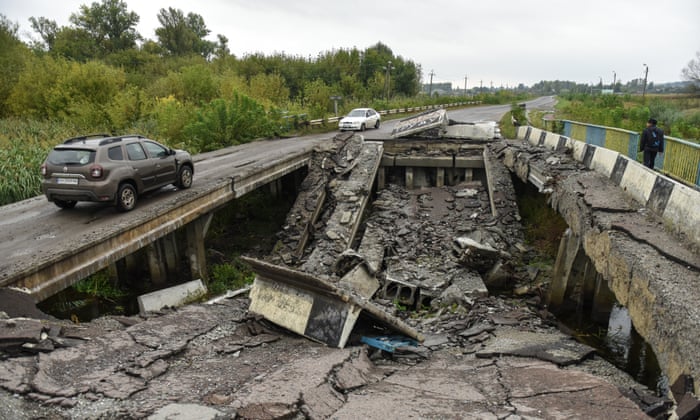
pixel 417 262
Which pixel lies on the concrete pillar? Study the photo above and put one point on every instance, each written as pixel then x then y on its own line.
pixel 196 232
pixel 156 264
pixel 568 251
pixel 275 187
pixel 381 178
pixel 603 300
pixel 440 177
pixel 171 255
pixel 409 178
pixel 468 174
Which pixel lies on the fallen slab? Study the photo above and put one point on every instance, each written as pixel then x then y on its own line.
pixel 434 119
pixel 555 348
pixel 312 306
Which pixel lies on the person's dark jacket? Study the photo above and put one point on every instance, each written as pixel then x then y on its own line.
pixel 647 139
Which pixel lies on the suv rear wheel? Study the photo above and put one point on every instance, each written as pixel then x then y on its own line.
pixel 184 178
pixel 65 204
pixel 126 197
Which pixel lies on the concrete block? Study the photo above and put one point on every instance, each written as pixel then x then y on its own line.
pixel 638 181
pixel 177 411
pixel 579 149
pixel 520 132
pixel 682 210
pixel 172 296
pixel 360 281
pixel 475 131
pixel 604 161
pixel 387 160
pixel 535 134
pixel 551 141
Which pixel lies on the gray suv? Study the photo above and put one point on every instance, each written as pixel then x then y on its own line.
pixel 112 169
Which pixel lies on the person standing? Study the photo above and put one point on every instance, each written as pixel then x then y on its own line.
pixel 652 142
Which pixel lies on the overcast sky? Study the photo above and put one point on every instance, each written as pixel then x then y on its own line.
pixel 504 42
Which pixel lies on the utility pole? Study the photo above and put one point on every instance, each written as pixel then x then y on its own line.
pixel 481 86
pixel 465 86
pixel 387 82
pixel 644 88
pixel 430 89
pixel 614 81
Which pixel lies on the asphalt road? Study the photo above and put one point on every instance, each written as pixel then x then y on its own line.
pixel 34 229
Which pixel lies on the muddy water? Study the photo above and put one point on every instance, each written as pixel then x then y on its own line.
pixel 619 343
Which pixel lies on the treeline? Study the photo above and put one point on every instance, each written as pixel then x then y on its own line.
pixel 99 74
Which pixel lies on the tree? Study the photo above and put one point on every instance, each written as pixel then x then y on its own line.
pixel 47 30
pixel 109 24
pixel 692 71
pixel 183 35
pixel 13 55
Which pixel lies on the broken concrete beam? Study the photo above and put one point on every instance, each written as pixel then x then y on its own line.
pixel 311 306
pixel 172 296
pixel 434 119
pixel 425 161
pixel 372 247
pixel 350 195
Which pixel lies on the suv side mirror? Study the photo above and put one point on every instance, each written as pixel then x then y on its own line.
pixel 171 152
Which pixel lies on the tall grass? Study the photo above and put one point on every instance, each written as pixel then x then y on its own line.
pixel 24 145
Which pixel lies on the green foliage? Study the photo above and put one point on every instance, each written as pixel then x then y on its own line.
pixel 108 24
pixel 223 123
pixel 183 35
pixel 13 55
pixel 99 285
pixel 229 276
pixel 543 225
pixel 171 116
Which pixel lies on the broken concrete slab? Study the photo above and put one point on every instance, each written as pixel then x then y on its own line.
pixel 311 306
pixel 433 119
pixel 360 281
pixel 478 256
pixel 172 296
pixel 15 332
pixel 556 348
pixel 480 130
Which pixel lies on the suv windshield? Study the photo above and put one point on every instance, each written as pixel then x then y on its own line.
pixel 71 157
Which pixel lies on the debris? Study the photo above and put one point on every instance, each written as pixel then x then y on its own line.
pixel 389 343
pixel 172 296
pixel 312 306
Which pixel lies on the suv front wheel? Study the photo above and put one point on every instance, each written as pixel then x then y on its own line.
pixel 126 197
pixel 184 178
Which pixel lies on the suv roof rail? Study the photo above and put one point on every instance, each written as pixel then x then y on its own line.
pixel 120 138
pixel 86 137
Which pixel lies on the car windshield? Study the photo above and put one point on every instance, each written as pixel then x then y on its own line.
pixel 357 113
pixel 71 157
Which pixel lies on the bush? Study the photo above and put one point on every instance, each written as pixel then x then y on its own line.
pixel 223 123
pixel 233 276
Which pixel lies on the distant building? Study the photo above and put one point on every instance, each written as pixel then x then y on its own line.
pixel 440 89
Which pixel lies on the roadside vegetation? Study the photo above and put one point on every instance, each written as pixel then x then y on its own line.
pixel 98 75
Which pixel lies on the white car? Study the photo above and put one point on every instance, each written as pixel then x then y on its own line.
pixel 360 119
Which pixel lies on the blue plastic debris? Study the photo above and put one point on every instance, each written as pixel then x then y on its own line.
pixel 389 343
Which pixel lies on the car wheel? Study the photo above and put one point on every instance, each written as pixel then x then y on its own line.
pixel 65 204
pixel 184 177
pixel 362 127
pixel 377 124
pixel 126 197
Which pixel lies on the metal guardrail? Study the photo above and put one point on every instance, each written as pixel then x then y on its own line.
pixel 681 158
pixel 323 121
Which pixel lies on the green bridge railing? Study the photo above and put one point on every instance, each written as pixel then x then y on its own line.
pixel 681 158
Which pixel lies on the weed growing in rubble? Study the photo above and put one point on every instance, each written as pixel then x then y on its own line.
pixel 99 285
pixel 229 276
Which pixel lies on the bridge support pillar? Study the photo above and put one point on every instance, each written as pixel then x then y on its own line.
pixel 440 177
pixel 567 255
pixel 156 264
pixel 196 232
pixel 275 187
pixel 468 174
pixel 603 300
pixel 409 178
pixel 381 178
